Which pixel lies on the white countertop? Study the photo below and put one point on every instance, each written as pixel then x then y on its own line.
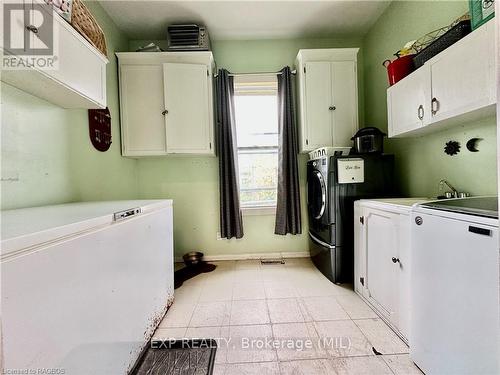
pixel 407 202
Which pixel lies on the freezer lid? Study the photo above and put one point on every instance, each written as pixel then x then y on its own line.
pixel 31 227
pixel 476 206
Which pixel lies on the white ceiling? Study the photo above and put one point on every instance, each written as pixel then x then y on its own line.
pixel 247 19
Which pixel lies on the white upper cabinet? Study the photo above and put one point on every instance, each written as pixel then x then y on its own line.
pixel 189 129
pixel 78 78
pixel 328 97
pixel 318 98
pixel 463 78
pixel 141 103
pixel 166 103
pixel 409 108
pixel 455 86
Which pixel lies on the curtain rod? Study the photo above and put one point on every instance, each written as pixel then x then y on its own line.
pixel 256 74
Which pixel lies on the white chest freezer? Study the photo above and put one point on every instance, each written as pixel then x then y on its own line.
pixel 84 285
pixel 455 325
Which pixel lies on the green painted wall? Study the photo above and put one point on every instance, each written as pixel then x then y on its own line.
pixel 192 182
pixel 421 162
pixel 46 153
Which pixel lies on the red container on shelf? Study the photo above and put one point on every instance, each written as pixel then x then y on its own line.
pixel 399 68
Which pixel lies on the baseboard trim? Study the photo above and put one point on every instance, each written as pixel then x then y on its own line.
pixel 249 256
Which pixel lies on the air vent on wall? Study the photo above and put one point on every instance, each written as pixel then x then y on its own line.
pixel 189 37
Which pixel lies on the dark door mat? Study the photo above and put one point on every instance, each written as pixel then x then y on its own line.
pixel 177 357
pixel 187 273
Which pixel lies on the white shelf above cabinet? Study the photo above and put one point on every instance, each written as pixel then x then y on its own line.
pixel 166 103
pixel 328 97
pixel 79 80
pixel 454 87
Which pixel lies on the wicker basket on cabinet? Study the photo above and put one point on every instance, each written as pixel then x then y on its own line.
pixel 83 21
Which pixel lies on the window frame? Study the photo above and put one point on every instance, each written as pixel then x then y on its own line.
pixel 256 85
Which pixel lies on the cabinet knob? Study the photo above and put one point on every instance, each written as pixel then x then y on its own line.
pixel 165 112
pixel 434 106
pixel 332 108
pixel 395 260
pixel 32 28
pixel 420 112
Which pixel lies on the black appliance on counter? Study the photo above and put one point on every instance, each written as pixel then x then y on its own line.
pixel 369 140
pixel 333 184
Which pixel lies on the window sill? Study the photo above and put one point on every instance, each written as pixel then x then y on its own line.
pixel 258 211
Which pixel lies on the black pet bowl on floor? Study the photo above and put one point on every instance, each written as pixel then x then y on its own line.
pixel 192 258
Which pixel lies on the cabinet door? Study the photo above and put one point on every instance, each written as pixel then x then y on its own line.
pixel 381 241
pixel 463 76
pixel 408 102
pixel 345 102
pixel 318 100
pixel 187 103
pixel 141 104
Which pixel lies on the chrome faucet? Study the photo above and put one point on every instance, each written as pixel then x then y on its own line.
pixel 453 190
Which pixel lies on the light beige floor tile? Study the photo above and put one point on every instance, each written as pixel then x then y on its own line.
pixel 216 291
pixel 210 314
pixel 361 366
pixel 169 333
pixel 188 294
pixel 324 308
pixel 342 338
pixel 307 367
pixel 355 307
pixel 277 274
pixel 249 312
pixel 256 368
pixel 284 310
pixel 297 341
pixel 248 290
pixel 250 264
pixel 247 275
pixel 401 364
pixel 382 338
pixel 203 333
pixel 248 344
pixel 178 315
pixel 279 290
pixel 318 288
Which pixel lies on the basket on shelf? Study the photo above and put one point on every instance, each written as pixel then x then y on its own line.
pixel 83 21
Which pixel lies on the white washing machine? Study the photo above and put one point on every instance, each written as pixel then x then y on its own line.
pixel 454 325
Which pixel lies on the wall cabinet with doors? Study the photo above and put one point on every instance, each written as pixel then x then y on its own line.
pixel 382 259
pixel 73 75
pixel 166 103
pixel 455 86
pixel 327 87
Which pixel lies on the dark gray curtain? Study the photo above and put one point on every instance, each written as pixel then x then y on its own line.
pixel 288 219
pixel 231 223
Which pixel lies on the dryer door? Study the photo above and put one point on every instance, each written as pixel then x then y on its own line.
pixel 316 195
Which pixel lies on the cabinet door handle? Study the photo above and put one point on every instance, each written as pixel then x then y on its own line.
pixel 420 112
pixel 395 260
pixel 165 112
pixel 332 108
pixel 32 28
pixel 434 106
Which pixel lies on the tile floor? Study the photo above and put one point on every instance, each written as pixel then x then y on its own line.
pixel 283 319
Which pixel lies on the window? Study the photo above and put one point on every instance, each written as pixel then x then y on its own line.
pixel 256 115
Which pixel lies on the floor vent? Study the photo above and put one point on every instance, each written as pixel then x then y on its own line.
pixel 267 262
